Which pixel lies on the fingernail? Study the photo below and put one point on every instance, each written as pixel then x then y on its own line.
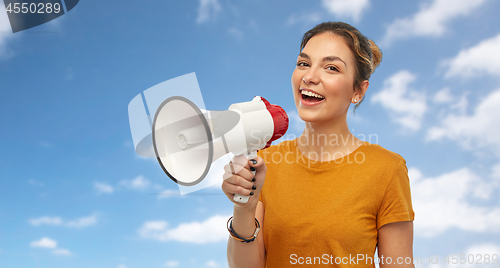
pixel 254 187
pixel 253 161
pixel 251 193
pixel 252 168
pixel 253 180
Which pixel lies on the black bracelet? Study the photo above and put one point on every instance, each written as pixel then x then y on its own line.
pixel 238 237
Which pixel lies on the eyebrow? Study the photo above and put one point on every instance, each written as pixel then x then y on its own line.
pixel 327 58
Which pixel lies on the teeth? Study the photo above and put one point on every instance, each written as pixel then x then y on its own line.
pixel 311 94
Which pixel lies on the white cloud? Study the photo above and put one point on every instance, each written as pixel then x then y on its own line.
pixel 495 171
pixel 47 220
pixel 139 183
pixel 103 188
pixel 172 264
pixel 443 96
pixel 44 242
pixel 480 59
pixel 211 230
pixel 57 221
pixel 430 20
pixel 414 174
pixel 483 249
pixel 442 202
pixel 62 252
pixel 477 131
pixel 82 222
pixel 461 105
pixel 168 193
pixel 347 9
pixel 207 10
pixel 406 106
pixel 212 263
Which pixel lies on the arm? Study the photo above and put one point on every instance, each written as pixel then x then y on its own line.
pixel 251 255
pixel 238 179
pixel 395 240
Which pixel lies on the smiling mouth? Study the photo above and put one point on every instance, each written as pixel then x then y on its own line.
pixel 311 96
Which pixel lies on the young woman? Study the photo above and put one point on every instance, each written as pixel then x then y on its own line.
pixel 329 199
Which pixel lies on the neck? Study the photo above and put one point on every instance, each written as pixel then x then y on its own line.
pixel 327 141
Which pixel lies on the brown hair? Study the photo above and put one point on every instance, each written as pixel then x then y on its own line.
pixel 367 54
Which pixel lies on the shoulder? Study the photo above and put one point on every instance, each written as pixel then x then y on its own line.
pixel 376 150
pixel 376 155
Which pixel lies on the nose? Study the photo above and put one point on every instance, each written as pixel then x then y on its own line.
pixel 311 77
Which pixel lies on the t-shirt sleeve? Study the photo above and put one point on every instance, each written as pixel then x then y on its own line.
pixel 396 204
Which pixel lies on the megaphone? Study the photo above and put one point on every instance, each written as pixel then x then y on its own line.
pixel 186 139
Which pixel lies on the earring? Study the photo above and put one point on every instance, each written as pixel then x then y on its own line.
pixel 355 100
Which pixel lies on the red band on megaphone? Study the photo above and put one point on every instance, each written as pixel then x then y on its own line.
pixel 280 120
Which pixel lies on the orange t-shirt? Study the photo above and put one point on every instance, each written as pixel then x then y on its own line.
pixel 326 213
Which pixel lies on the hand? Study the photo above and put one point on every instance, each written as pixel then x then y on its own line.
pixel 239 179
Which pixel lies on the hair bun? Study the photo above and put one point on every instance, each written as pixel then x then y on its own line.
pixel 376 55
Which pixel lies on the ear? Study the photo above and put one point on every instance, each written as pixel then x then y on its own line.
pixel 363 87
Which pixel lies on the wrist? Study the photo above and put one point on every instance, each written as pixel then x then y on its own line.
pixel 243 222
pixel 248 208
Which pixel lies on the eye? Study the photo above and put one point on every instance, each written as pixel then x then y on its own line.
pixel 302 64
pixel 332 68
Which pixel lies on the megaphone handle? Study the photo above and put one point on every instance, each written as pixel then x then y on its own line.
pixel 241 198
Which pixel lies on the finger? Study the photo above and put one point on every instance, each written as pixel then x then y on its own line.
pixel 231 189
pixel 240 181
pixel 257 163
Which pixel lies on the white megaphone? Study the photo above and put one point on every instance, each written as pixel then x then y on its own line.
pixel 186 139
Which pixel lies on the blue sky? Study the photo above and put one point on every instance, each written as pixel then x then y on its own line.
pixel 73 193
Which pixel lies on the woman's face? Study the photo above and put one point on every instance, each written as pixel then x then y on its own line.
pixel 323 79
